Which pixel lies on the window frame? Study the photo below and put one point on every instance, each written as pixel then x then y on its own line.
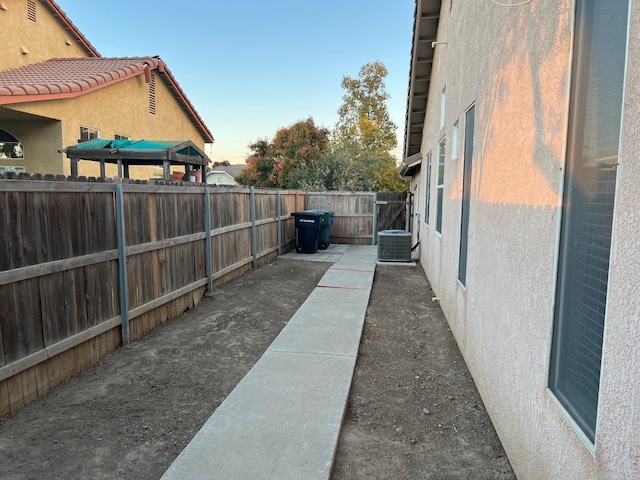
pixel 440 172
pixel 427 187
pixel 85 128
pixel 568 236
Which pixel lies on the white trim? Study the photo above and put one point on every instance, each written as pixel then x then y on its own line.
pixel 590 446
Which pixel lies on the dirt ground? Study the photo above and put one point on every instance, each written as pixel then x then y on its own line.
pixel 130 416
pixel 414 411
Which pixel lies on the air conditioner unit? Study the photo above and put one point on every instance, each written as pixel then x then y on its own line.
pixel 394 246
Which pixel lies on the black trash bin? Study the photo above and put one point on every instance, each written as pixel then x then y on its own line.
pixel 325 228
pixel 308 225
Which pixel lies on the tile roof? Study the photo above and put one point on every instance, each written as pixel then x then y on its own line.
pixel 67 77
pixel 232 170
pixel 61 78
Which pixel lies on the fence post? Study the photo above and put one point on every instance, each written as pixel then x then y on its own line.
pixel 122 264
pixel 207 228
pixel 254 240
pixel 407 211
pixel 374 233
pixel 296 209
pixel 279 214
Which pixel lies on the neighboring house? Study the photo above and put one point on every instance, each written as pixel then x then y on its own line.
pixel 56 91
pixel 225 174
pixel 521 144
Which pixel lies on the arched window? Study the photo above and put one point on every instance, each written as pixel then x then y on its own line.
pixel 10 146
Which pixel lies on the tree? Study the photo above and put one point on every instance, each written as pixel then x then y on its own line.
pixel 365 134
pixel 364 123
pixel 299 146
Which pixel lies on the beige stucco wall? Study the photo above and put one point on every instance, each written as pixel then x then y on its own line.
pixel 220 178
pixel 122 108
pixel 514 64
pixel 44 39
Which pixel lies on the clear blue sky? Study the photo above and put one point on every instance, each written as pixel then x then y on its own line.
pixel 251 67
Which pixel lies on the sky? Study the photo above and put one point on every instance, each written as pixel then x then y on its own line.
pixel 252 67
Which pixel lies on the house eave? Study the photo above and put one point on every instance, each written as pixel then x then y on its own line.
pixel 425 30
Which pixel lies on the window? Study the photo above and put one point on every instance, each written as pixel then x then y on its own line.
pixel 10 146
pixel 8 169
pixel 443 101
pixel 595 114
pixel 467 169
pixel 117 136
pixel 31 10
pixel 427 189
pixel 454 142
pixel 152 95
pixel 88 133
pixel 440 184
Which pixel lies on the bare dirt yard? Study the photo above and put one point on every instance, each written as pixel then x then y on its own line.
pixel 130 416
pixel 414 411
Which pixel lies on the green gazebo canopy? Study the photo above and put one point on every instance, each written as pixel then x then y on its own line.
pixel 162 153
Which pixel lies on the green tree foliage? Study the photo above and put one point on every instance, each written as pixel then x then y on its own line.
pixel 364 124
pixel 365 134
pixel 358 157
pixel 299 146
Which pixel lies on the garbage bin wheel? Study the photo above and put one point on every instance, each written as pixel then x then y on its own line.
pixel 323 245
pixel 299 248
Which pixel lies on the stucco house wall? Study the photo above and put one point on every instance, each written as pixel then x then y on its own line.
pixel 123 109
pixel 46 126
pixel 220 178
pixel 45 38
pixel 514 65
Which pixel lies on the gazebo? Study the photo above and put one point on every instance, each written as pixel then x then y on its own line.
pixel 124 153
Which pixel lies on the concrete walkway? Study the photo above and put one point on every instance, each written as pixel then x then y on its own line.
pixel 283 419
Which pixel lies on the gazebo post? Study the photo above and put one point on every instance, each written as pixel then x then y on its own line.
pixel 126 169
pixel 74 167
pixel 165 170
pixel 120 168
pixel 103 173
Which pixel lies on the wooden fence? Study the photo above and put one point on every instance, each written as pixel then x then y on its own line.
pixel 359 216
pixel 88 266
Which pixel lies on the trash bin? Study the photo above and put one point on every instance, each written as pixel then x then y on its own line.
pixel 308 225
pixel 325 228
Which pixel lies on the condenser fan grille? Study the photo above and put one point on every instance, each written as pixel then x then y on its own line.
pixel 394 246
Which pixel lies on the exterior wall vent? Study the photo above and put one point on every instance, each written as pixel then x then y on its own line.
pixel 152 95
pixel 31 10
pixel 394 246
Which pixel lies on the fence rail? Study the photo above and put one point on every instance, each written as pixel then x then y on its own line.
pixel 88 266
pixel 85 267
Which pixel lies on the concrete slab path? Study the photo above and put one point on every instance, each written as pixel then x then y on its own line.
pixel 283 419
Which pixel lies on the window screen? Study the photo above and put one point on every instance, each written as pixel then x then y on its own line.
pixel 427 190
pixel 588 205
pixel 466 193
pixel 440 185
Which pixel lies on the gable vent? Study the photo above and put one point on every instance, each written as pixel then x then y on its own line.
pixel 152 95
pixel 31 10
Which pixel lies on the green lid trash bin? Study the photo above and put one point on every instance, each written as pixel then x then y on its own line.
pixel 325 228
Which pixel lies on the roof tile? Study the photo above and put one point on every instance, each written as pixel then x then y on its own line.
pixel 73 76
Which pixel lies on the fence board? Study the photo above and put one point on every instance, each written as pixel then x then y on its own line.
pixel 16 398
pixel 59 263
pixel 5 254
pixel 5 406
pixel 29 387
pixel 8 324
